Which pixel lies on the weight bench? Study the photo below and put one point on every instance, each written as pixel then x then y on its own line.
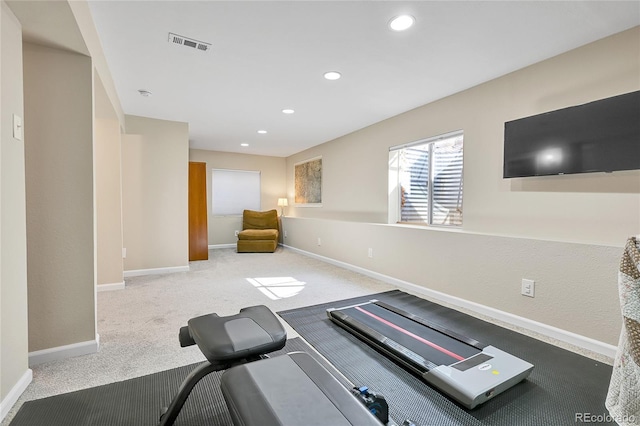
pixel 293 389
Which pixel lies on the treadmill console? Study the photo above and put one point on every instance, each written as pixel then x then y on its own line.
pixel 471 362
pixel 474 384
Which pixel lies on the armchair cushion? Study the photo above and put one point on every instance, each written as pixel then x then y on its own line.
pixel 258 234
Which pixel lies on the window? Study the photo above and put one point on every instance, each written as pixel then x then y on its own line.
pixel 425 181
pixel 233 191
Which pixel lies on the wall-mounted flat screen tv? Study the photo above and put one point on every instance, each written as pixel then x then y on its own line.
pixel 600 136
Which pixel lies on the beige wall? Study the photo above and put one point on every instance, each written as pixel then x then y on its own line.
pixel 272 187
pixel 108 189
pixel 155 173
pixel 13 239
pixel 594 208
pixel 565 232
pixel 576 287
pixel 60 199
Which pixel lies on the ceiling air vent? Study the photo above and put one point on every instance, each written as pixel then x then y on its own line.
pixel 189 42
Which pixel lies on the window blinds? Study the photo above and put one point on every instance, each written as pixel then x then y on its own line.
pixel 233 191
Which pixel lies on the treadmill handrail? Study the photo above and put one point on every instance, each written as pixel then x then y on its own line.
pixel 464 339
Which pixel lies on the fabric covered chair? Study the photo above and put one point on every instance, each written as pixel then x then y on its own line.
pixel 259 233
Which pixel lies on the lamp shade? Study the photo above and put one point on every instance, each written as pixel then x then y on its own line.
pixel 283 202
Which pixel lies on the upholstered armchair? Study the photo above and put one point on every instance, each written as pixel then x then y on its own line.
pixel 259 233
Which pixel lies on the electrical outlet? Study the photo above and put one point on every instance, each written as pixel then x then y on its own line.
pixel 124 253
pixel 237 232
pixel 370 253
pixel 319 241
pixel 285 234
pixel 528 288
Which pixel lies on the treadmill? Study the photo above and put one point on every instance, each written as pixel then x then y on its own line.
pixel 466 370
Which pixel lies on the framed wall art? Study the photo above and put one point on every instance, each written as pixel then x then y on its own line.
pixel 308 182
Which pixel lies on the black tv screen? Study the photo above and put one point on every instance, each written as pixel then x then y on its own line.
pixel 600 136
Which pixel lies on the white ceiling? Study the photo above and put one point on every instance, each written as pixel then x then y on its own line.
pixel 271 55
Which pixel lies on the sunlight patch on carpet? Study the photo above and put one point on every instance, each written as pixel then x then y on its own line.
pixel 277 287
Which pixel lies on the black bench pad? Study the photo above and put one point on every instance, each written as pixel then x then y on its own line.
pixel 252 332
pixel 292 389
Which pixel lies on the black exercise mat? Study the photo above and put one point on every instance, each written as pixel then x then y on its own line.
pixel 563 389
pixel 137 401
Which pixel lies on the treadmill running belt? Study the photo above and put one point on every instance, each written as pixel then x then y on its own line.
pixel 432 345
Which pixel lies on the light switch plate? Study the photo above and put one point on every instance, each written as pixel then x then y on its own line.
pixel 17 127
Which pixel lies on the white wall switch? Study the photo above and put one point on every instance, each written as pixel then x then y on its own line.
pixel 370 253
pixel 17 127
pixel 319 241
pixel 124 253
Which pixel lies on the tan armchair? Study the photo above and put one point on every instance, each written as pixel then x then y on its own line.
pixel 259 233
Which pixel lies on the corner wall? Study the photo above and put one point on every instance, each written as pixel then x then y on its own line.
pixel 58 87
pixel 108 191
pixel 14 369
pixel 155 195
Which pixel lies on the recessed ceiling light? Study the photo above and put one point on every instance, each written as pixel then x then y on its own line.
pixel 244 144
pixel 262 132
pixel 288 111
pixel 145 93
pixel 332 75
pixel 402 22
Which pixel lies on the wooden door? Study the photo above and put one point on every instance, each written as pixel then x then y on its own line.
pixel 198 233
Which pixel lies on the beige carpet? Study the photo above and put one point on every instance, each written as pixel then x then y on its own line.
pixel 138 326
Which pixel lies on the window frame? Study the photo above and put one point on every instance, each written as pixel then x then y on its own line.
pixel 395 193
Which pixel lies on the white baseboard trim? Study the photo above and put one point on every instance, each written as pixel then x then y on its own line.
pixel 546 330
pixel 155 271
pixel 63 352
pixel 110 286
pixel 220 246
pixel 12 397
